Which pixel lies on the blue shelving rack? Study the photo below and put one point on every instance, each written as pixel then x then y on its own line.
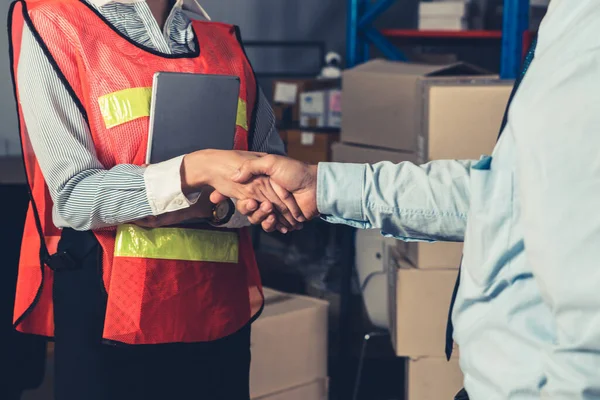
pixel 361 34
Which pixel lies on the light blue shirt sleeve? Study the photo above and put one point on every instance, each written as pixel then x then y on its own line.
pixel 406 201
pixel 556 127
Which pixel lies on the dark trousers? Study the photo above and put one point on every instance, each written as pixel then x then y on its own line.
pixel 85 368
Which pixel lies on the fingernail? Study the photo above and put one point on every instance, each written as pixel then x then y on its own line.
pixel 252 207
pixel 284 230
pixel 301 219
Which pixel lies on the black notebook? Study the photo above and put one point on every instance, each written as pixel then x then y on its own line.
pixel 191 112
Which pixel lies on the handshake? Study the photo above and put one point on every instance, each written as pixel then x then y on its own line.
pixel 276 192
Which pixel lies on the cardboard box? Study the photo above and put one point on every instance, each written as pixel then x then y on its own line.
pixel 351 153
pixel 286 96
pixel 316 390
pixel 461 117
pixel 310 147
pixel 289 343
pixel 433 378
pixel 418 305
pixel 321 109
pixel 451 111
pixel 438 255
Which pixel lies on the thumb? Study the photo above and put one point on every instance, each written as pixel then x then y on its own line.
pixel 216 197
pixel 251 168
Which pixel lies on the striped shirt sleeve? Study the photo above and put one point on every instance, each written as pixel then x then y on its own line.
pixel 86 196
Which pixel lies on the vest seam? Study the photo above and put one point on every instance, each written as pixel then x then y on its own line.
pixel 54 63
pixel 252 127
pixel 38 294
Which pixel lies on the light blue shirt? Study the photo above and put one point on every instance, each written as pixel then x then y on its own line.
pixel 527 315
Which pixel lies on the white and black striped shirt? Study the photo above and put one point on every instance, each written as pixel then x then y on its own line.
pixel 85 194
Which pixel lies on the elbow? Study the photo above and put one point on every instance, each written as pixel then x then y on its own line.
pixel 74 221
pixel 75 216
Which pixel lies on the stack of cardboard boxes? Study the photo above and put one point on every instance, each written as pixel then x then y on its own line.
pixel 289 349
pixel 406 112
pixel 418 312
pixel 308 113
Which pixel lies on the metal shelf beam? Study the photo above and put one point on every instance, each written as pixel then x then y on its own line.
pixel 361 34
pixel 515 24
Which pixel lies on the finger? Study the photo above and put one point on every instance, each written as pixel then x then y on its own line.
pixel 261 214
pixel 282 229
pixel 287 218
pixel 216 197
pixel 268 224
pixel 247 207
pixel 251 168
pixel 257 153
pixel 290 201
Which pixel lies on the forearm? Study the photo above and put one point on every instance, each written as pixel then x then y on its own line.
pixel 86 195
pixel 409 202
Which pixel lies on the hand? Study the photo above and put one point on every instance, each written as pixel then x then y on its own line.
pixel 293 181
pixel 215 168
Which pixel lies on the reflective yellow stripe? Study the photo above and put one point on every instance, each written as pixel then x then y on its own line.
pixel 125 105
pixel 176 244
pixel 242 115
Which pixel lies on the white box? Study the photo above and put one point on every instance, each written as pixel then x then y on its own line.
pixel 457 9
pixel 289 343
pixel 371 253
pixel 443 24
pixel 321 109
pixel 316 390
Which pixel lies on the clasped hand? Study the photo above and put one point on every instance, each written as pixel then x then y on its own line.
pixel 276 192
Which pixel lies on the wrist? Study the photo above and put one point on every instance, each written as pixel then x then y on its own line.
pixel 204 205
pixel 194 175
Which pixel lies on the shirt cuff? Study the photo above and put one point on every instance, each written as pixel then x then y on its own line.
pixel 163 187
pixel 340 190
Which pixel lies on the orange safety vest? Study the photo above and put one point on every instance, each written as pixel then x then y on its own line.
pixel 165 285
